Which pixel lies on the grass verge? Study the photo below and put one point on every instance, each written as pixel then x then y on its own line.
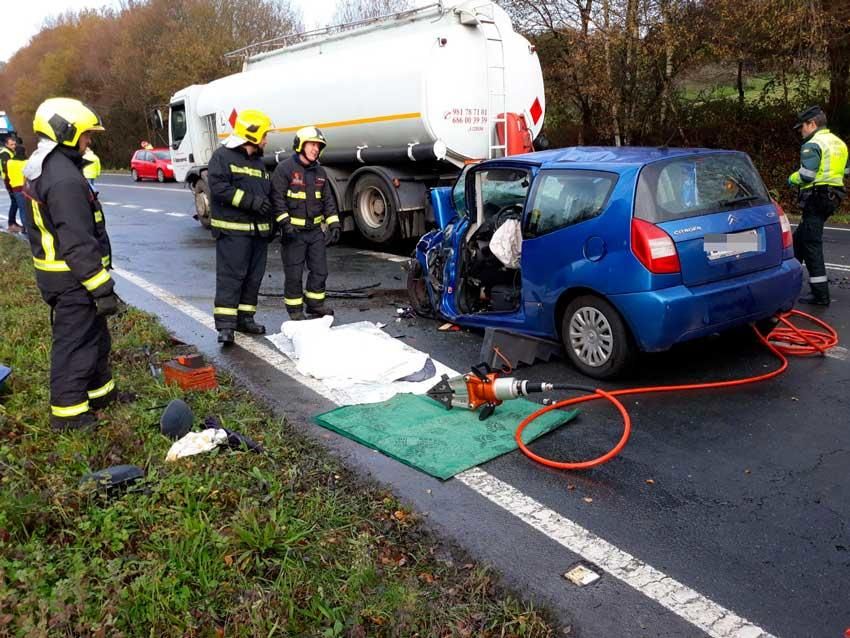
pixel 220 544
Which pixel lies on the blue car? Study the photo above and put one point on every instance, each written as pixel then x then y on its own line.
pixel 610 251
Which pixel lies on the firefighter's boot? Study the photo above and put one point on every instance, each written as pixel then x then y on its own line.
pixel 249 326
pixel 226 336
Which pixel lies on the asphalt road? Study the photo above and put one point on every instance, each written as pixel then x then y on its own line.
pixel 741 495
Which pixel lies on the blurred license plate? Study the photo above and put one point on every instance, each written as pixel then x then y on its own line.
pixel 728 245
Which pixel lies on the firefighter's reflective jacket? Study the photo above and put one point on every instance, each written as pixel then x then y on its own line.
pixel 303 195
pixel 238 183
pixel 66 227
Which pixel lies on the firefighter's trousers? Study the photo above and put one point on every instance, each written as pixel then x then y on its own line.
pixel 300 248
pixel 817 204
pixel 80 376
pixel 240 263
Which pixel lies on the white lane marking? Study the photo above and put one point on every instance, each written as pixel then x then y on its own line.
pixel 130 206
pixel 150 188
pixel 177 214
pixel 152 210
pixel 837 352
pixel 683 601
pixel 846 230
pixel 840 267
pixel 385 256
pixel 111 203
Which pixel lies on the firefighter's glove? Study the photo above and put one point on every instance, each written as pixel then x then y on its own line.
pixel 107 305
pixel 331 235
pixel 261 205
pixel 287 232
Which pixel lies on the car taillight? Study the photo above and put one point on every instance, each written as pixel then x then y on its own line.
pixel 654 248
pixel 785 225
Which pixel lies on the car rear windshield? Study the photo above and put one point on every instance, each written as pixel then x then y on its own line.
pixel 163 155
pixel 688 186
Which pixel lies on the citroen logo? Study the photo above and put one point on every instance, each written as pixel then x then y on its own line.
pixel 731 219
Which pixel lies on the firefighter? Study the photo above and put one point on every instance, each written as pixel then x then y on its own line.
pixel 72 258
pixel 7 152
pixel 241 224
pixel 303 199
pixel 823 164
pixel 91 169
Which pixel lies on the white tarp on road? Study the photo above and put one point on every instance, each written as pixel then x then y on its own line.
pixel 358 362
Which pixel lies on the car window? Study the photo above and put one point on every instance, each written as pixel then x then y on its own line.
pixel 163 155
pixel 459 193
pixel 500 190
pixel 136 156
pixel 177 122
pixel 690 186
pixel 564 198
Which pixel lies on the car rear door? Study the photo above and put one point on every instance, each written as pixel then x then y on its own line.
pixel 717 210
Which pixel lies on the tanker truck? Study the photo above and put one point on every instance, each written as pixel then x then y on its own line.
pixel 404 101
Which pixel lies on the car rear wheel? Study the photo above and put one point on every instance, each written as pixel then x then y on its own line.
pixel 134 174
pixel 160 176
pixel 417 291
pixel 596 338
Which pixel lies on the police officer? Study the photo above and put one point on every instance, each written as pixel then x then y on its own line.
pixel 241 223
pixel 72 257
pixel 303 199
pixel 7 152
pixel 823 162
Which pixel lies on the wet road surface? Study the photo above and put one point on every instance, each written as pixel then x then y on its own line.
pixel 741 495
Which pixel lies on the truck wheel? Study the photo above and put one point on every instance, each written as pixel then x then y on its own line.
pixel 202 202
pixel 374 209
pixel 596 338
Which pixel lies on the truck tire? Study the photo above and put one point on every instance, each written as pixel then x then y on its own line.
pixel 202 202
pixel 374 209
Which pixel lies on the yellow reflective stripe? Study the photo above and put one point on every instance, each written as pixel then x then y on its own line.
pixel 106 261
pixel 245 170
pixel 281 217
pixel 98 280
pixel 314 295
pixel 98 216
pixel 246 308
pixel 237 197
pixel 296 195
pixel 293 301
pixel 47 244
pixel 297 221
pixel 318 194
pixel 333 219
pixel 225 311
pixel 103 390
pixel 50 266
pixel 217 223
pixel 70 410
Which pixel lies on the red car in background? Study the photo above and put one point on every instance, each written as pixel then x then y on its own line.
pixel 152 164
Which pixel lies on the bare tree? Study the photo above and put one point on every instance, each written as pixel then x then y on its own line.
pixel 356 10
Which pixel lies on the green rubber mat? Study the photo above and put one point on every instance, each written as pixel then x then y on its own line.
pixel 421 433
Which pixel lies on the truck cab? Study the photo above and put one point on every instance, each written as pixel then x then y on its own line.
pixel 192 138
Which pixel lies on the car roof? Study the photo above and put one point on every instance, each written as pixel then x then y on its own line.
pixel 617 155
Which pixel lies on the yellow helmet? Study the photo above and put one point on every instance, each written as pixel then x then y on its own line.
pixel 64 119
pixel 309 134
pixel 252 125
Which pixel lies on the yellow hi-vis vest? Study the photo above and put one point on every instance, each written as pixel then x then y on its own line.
pixel 15 169
pixel 833 160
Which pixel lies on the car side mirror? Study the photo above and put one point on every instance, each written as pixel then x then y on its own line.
pixel 156 120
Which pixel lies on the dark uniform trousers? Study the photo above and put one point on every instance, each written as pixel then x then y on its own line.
pixel 300 248
pixel 240 266
pixel 79 359
pixel 818 203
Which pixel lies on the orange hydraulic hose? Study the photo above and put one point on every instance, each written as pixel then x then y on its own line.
pixel 784 339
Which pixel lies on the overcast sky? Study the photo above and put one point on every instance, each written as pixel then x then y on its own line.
pixel 28 16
